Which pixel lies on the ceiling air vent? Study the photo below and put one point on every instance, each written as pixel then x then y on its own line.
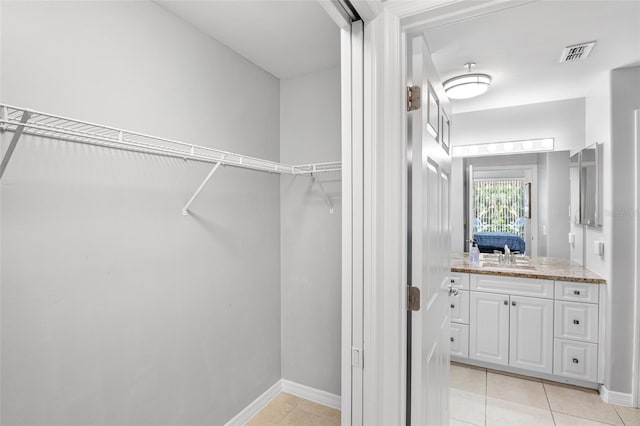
pixel 577 51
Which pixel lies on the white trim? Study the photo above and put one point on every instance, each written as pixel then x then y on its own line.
pixel 617 398
pixel 335 12
pixel 316 395
pixel 254 408
pixel 635 389
pixel 347 230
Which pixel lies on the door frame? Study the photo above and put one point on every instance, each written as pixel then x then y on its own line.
pixel 384 259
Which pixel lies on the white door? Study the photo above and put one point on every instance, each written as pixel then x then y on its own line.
pixel 429 231
pixel 531 337
pixel 489 327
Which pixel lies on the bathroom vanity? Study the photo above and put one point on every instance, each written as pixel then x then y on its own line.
pixel 542 317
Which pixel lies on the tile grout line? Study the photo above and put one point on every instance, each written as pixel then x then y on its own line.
pixel 486 396
pixel 546 395
pixel 618 414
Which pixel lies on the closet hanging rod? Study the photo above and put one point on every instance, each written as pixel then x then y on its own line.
pixel 58 127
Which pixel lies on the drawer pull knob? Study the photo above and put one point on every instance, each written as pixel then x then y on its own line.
pixel 513 303
pixel 576 322
pixel 575 361
pixel 576 292
pixel 452 339
pixel 453 306
pixel 453 280
pixel 506 302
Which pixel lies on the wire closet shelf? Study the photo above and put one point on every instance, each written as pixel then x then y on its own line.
pixel 28 122
pixel 25 121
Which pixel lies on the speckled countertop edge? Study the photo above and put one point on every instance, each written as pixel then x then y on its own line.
pixel 547 268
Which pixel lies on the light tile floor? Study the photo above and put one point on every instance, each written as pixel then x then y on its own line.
pixel 288 410
pixel 489 398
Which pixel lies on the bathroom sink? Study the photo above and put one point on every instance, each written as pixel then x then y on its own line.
pixel 508 265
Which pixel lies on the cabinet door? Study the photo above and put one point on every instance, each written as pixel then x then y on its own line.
pixel 459 305
pixel 531 336
pixel 459 340
pixel 489 327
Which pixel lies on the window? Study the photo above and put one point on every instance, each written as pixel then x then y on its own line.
pixel 499 205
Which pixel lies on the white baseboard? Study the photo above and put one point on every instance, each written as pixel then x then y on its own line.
pixel 617 398
pixel 254 408
pixel 302 391
pixel 315 395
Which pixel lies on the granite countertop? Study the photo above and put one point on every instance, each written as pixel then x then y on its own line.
pixel 550 268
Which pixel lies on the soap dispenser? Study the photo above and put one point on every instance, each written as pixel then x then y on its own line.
pixel 474 252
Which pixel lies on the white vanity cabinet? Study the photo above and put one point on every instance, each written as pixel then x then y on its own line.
pixel 512 330
pixel 538 325
pixel 459 315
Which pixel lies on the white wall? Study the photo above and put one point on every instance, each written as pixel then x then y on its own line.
pixel 457 206
pixel 619 225
pixel 311 236
pixel 115 308
pixel 554 196
pixel 563 120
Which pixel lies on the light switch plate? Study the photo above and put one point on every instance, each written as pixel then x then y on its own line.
pixel 572 238
pixel 598 248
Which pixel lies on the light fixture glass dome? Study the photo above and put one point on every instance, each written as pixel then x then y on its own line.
pixel 467 85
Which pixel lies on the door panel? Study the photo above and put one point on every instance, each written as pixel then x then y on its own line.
pixel 531 339
pixel 489 327
pixel 428 216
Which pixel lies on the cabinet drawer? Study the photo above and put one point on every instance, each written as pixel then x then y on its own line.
pixel 512 285
pixel 576 321
pixel 459 305
pixel 460 340
pixel 577 360
pixel 577 292
pixel 459 280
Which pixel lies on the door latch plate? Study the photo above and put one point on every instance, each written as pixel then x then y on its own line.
pixel 413 298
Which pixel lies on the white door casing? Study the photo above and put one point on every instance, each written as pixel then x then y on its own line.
pixel 429 169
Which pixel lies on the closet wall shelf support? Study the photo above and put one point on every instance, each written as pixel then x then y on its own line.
pixel 185 209
pixel 327 199
pixel 19 129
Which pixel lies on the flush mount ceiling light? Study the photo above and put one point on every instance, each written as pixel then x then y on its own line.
pixel 503 148
pixel 467 85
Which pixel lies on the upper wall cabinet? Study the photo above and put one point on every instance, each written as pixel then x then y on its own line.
pixel 591 185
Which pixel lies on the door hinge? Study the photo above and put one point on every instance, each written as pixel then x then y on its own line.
pixel 413 298
pixel 413 98
pixel 357 357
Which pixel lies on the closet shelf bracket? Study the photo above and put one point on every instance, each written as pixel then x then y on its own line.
pixel 14 139
pixel 185 209
pixel 327 199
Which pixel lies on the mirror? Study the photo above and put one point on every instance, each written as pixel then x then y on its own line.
pixel 492 209
pixel 590 184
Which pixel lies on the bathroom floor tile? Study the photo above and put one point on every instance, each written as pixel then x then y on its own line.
pixel 289 410
pixel 470 379
pixel 523 391
pixel 454 422
pixel 578 402
pixel 466 406
pixel 630 416
pixel 503 413
pixel 567 420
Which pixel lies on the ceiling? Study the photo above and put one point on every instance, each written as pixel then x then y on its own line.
pixel 286 38
pixel 520 48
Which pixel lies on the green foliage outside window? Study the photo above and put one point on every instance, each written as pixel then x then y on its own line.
pixel 499 205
